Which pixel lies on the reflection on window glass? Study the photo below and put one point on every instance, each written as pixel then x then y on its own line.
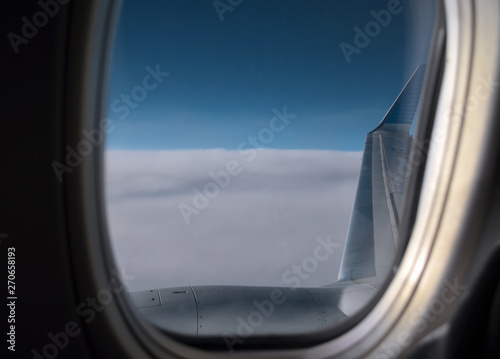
pixel 247 146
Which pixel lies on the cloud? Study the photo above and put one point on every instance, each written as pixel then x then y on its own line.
pixel 265 220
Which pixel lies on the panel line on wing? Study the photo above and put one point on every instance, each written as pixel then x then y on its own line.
pixel 389 190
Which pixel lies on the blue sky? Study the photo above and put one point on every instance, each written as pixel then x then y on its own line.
pixel 225 77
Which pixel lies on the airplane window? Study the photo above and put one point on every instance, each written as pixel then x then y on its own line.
pixel 257 159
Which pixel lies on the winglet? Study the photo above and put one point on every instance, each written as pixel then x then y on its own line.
pixel 372 237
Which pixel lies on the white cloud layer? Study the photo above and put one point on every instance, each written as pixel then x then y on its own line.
pixel 263 223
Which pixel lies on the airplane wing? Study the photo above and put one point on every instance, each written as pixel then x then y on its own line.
pixel 231 313
pixel 372 238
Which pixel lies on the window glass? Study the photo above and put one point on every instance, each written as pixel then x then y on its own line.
pixel 238 136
